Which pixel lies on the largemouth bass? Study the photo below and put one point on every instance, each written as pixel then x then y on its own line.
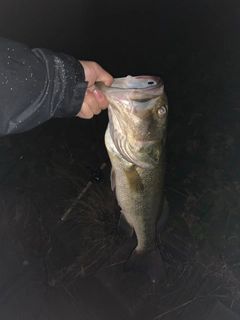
pixel 135 140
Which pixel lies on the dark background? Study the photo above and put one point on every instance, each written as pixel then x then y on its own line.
pixel 195 47
pixel 126 36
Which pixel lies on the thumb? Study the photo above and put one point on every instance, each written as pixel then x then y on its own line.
pixel 94 72
pixel 103 76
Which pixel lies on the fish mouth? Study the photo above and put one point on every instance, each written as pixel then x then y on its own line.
pixel 129 83
pixel 138 82
pixel 131 90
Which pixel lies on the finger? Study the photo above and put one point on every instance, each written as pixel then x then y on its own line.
pixel 90 106
pixel 84 115
pixel 104 76
pixel 91 88
pixel 85 112
pixel 94 72
pixel 101 99
pixel 92 102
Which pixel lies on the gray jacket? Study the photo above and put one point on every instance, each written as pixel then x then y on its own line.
pixel 36 85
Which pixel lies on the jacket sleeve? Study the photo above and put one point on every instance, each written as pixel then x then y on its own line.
pixel 36 85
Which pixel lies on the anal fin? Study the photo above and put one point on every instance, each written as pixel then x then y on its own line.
pixel 124 227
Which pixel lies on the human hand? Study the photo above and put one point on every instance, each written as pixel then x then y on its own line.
pixel 94 101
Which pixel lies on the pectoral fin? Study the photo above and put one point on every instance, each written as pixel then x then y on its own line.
pixel 113 179
pixel 134 180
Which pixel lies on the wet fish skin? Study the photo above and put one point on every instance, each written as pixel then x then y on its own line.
pixel 136 144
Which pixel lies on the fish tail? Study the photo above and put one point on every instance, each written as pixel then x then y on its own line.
pixel 150 263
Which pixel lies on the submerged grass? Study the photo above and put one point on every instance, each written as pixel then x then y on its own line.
pixel 16 230
pixel 202 188
pixel 203 161
pixel 95 216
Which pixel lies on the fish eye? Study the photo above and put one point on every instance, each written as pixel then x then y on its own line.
pixel 161 111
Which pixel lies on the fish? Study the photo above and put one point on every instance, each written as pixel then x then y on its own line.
pixel 135 140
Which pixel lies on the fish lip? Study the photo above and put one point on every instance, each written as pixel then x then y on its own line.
pixel 137 83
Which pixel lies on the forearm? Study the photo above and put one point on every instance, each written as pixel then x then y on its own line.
pixel 36 85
